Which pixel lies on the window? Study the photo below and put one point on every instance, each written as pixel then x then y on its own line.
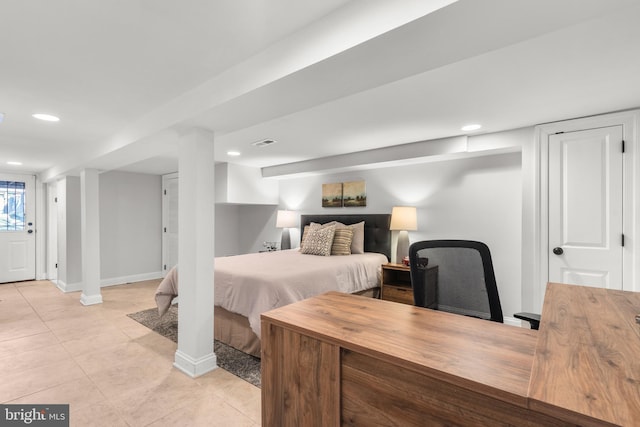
pixel 12 209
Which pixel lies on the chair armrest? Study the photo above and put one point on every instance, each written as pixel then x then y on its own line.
pixel 532 318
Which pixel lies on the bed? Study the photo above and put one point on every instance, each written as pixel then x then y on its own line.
pixel 248 285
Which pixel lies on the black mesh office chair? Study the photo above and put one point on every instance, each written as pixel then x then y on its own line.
pixel 457 276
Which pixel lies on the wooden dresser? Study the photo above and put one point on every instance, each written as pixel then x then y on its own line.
pixel 340 359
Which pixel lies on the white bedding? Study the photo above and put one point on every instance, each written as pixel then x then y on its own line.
pixel 255 283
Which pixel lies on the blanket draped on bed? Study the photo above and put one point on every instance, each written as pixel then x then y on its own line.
pixel 252 284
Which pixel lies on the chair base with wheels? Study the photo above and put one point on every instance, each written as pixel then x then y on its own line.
pixel 532 318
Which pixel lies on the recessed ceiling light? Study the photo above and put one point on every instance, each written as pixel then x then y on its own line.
pixel 14 163
pixel 233 153
pixel 46 117
pixel 469 128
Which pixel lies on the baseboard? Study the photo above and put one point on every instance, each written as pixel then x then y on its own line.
pixel 68 287
pixel 60 285
pixel 130 279
pixel 91 300
pixel 75 287
pixel 195 367
pixel 514 322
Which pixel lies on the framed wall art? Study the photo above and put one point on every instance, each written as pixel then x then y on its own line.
pixel 332 195
pixel 354 194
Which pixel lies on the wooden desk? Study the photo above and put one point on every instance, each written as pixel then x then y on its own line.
pixel 587 358
pixel 339 359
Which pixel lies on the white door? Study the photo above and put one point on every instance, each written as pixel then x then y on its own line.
pixel 169 222
pixel 17 228
pixel 585 207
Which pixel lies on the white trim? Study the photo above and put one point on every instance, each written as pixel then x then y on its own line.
pixel 130 279
pixel 41 227
pixel 75 287
pixel 631 195
pixel 71 287
pixel 512 321
pixel 51 242
pixel 195 367
pixel 91 299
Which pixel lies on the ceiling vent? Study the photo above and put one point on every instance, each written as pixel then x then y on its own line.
pixel 263 143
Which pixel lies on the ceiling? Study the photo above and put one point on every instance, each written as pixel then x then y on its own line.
pixel 128 78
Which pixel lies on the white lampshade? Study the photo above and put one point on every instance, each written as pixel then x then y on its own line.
pixel 404 218
pixel 286 219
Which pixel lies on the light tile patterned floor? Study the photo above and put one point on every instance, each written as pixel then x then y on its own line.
pixel 109 368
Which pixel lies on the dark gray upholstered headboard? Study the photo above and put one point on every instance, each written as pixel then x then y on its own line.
pixel 377 236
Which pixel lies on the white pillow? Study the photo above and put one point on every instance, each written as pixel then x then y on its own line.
pixel 357 241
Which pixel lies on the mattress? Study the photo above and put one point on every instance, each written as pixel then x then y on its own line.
pixel 252 284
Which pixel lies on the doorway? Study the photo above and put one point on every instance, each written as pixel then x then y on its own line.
pixel 585 207
pixel 595 141
pixel 169 221
pixel 17 228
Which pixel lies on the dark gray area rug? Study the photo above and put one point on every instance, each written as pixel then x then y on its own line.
pixel 240 364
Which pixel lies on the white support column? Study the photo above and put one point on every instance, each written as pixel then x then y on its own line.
pixel 90 231
pixel 194 355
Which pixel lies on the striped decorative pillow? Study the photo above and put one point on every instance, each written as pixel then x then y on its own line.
pixel 342 241
pixel 319 241
pixel 357 241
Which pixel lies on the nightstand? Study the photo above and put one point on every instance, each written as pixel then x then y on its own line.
pixel 396 282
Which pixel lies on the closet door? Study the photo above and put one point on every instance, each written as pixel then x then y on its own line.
pixel 585 207
pixel 169 222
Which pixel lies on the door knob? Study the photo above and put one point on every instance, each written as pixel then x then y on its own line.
pixel 29 231
pixel 558 250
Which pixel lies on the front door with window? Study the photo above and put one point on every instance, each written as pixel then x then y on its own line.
pixel 17 228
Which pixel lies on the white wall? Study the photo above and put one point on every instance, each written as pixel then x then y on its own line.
pixel 236 184
pixel 472 198
pixel 258 226
pixel 61 235
pixel 69 234
pixel 242 229
pixel 227 231
pixel 74 231
pixel 130 226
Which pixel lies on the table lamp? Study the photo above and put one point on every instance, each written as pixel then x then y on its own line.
pixel 286 220
pixel 403 219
